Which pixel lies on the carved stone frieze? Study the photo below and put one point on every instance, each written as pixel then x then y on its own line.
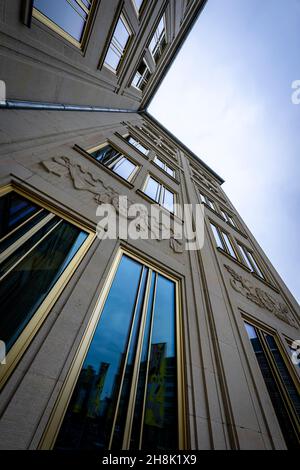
pixel 260 297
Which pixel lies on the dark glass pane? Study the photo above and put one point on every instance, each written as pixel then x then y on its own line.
pixel 23 290
pixel 274 392
pixel 160 430
pixel 90 414
pixel 140 394
pixel 123 168
pixel 115 161
pixel 13 237
pixel 284 373
pixel 124 399
pixel 71 19
pixel 14 210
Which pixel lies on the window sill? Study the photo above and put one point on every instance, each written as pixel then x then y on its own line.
pixel 103 167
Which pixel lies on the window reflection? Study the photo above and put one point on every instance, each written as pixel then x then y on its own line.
pixel 115 161
pixel 140 309
pixel 118 44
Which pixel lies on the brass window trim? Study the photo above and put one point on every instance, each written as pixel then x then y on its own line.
pixel 56 418
pixel 36 14
pixel 40 315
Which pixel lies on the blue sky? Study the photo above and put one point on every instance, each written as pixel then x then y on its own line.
pixel 228 98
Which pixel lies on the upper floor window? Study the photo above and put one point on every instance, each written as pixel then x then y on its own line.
pixel 159 193
pixel 223 240
pixel 115 161
pixel 137 144
pixel 228 218
pixel 38 253
pixel 158 41
pixel 249 260
pixel 208 201
pixel 118 44
pixel 164 166
pixel 141 76
pixel 137 5
pixel 69 18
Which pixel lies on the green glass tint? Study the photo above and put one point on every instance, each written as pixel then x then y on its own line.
pixel 126 393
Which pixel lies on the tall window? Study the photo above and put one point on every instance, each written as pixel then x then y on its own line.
pixel 208 201
pixel 158 41
pixel 164 166
pixel 118 44
pixel 126 395
pixel 36 249
pixel 137 144
pixel 115 161
pixel 223 240
pixel 67 17
pixel 159 193
pixel 228 218
pixel 249 261
pixel 279 382
pixel 142 76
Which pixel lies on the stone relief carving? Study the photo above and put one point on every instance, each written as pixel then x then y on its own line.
pixel 260 297
pixel 84 180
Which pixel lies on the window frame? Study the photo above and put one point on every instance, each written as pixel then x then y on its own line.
pixel 51 431
pixel 142 76
pixel 247 261
pixel 165 165
pixel 162 188
pixel 115 147
pixel 139 141
pixel 224 248
pixel 39 16
pixel 125 22
pixel 158 43
pixel 31 329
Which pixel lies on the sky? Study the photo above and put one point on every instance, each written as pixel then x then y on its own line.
pixel 228 97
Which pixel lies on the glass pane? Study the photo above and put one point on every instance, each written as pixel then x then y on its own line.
pixel 229 245
pixel 127 383
pixel 141 387
pixel 284 373
pixel 159 162
pixel 121 34
pixel 152 189
pixel 254 264
pixel 170 171
pixel 112 58
pixel 245 258
pixel 160 430
pixel 90 414
pixel 14 211
pixel 138 145
pixel 275 395
pixel 138 4
pixel 168 201
pixel 23 290
pixel 218 239
pixel 203 198
pixel 72 20
pixel 123 168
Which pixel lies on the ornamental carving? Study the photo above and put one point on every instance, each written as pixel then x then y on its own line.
pixel 260 297
pixel 84 180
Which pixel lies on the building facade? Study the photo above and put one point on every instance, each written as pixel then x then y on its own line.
pixel 121 342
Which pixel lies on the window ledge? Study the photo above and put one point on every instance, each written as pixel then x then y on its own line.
pixel 267 283
pixel 103 167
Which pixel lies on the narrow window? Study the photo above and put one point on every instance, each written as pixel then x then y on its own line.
pixel 67 17
pixel 229 246
pixel 36 248
pixel 280 385
pixel 115 161
pixel 137 144
pixel 126 395
pixel 158 41
pixel 164 166
pixel 218 237
pixel 141 76
pixel 159 193
pixel 118 44
pixel 249 260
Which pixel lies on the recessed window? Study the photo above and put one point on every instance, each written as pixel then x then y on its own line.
pixel 279 382
pixel 115 161
pixel 126 394
pixel 228 218
pixel 206 200
pixel 249 260
pixel 67 17
pixel 223 240
pixel 159 193
pixel 137 144
pixel 118 44
pixel 158 41
pixel 37 248
pixel 142 76
pixel 164 166
pixel 137 5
